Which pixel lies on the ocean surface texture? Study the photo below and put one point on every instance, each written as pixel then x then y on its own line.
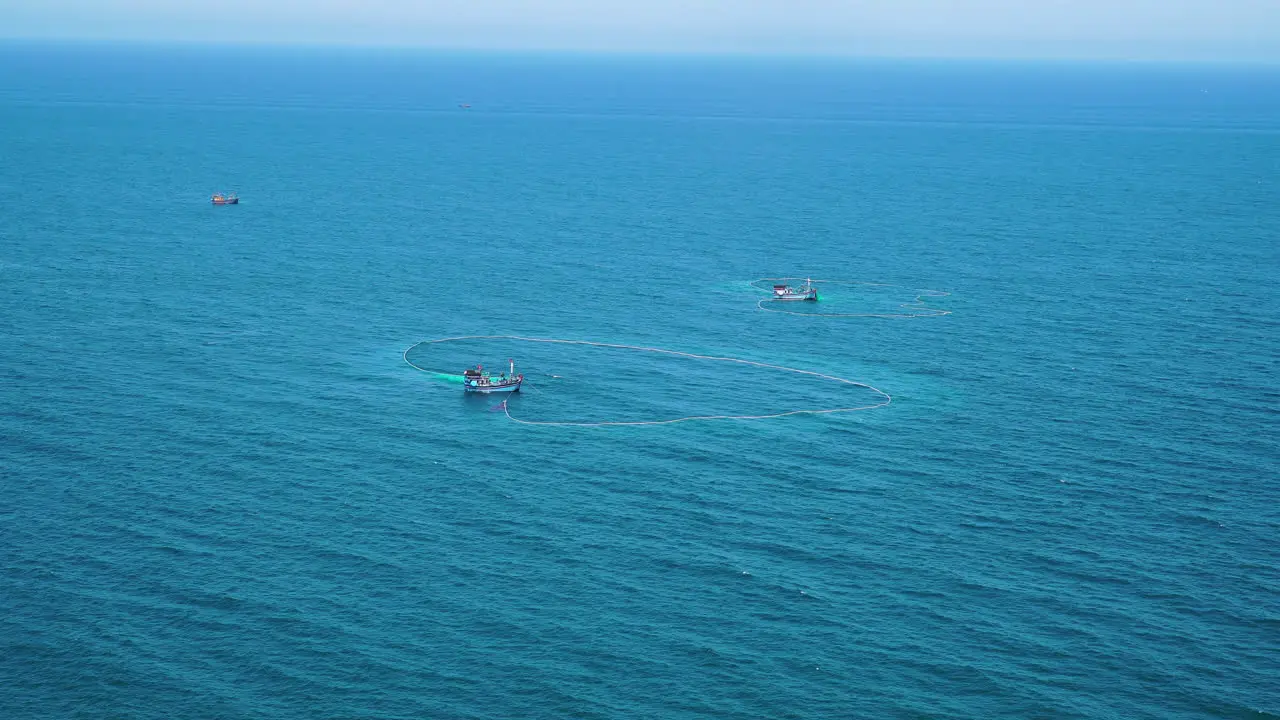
pixel 225 494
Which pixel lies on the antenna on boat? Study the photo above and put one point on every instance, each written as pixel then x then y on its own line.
pixel 513 366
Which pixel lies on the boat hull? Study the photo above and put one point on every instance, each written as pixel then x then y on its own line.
pixel 233 201
pixel 797 296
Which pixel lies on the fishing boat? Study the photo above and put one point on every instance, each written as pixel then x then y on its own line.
pixel 477 380
pixel 804 292
pixel 225 199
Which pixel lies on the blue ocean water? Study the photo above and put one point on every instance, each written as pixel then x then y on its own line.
pixel 225 494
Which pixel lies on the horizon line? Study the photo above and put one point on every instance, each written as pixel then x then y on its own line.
pixel 171 43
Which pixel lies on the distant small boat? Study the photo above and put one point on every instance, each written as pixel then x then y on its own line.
pixel 477 380
pixel 224 199
pixel 804 292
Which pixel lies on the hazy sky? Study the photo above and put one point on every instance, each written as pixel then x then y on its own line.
pixel 1136 29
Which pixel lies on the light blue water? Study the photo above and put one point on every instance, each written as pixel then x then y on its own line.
pixel 224 494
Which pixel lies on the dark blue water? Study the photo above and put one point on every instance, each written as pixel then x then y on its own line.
pixel 224 494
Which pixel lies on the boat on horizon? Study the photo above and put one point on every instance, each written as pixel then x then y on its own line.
pixel 478 381
pixel 225 199
pixel 804 292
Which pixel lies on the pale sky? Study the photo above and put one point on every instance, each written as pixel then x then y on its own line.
pixel 1103 29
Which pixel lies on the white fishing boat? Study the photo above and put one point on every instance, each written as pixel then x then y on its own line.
pixel 804 292
pixel 478 381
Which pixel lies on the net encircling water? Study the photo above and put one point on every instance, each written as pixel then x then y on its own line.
pixel 878 398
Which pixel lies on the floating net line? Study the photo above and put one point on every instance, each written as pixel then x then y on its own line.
pixel 917 308
pixel 884 397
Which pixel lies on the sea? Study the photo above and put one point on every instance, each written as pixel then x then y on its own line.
pixel 236 483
